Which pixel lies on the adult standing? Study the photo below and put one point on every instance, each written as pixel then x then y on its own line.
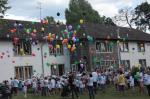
pixel 15 85
pixel 121 82
pixel 73 88
pixel 95 79
pixel 90 86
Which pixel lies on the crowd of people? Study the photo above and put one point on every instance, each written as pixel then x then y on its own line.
pixel 74 84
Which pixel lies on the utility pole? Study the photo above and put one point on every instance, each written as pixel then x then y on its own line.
pixel 42 43
pixel 118 46
pixel 40 9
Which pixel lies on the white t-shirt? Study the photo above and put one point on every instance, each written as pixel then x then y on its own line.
pixel 53 83
pixel 34 84
pixel 95 76
pixel 103 80
pixel 131 80
pixel 81 84
pixel 90 81
pixel 45 83
pixel 15 83
pixel 147 79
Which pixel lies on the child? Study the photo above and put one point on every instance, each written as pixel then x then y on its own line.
pixel 25 89
pixel 131 82
pixel 81 86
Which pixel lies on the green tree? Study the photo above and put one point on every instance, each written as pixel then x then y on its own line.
pixel 142 16
pixel 3 7
pixel 81 9
pixel 50 19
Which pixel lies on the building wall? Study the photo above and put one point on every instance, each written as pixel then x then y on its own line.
pixel 103 55
pixel 7 65
pixel 134 55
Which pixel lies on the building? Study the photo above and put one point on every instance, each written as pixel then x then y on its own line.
pixel 29 57
pixel 116 47
pixel 97 46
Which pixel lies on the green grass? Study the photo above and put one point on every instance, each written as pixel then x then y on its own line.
pixel 109 94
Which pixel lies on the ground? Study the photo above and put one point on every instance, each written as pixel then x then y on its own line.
pixel 109 94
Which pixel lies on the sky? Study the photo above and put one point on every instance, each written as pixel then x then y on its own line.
pixel 30 9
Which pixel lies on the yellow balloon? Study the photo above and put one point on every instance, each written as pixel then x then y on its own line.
pixel 69 46
pixel 58 46
pixel 81 21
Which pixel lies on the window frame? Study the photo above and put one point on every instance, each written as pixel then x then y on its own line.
pixel 25 73
pixel 143 61
pixel 57 51
pixel 124 62
pixel 139 47
pixel 103 47
pixel 123 46
pixel 26 46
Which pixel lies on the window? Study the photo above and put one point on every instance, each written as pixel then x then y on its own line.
pixel 24 72
pixel 23 48
pixel 106 63
pixel 103 47
pixel 124 47
pixel 125 63
pixel 142 62
pixel 56 51
pixel 57 69
pixel 141 47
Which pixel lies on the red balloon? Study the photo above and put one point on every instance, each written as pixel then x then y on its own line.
pixel 33 54
pixel 1 57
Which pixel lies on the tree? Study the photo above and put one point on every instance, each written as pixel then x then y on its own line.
pixel 3 7
pixel 81 9
pixel 124 17
pixel 142 16
pixel 50 19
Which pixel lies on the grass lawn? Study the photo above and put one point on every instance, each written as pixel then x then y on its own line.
pixel 109 94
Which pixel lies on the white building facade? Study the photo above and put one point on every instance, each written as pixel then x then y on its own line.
pixel 134 53
pixel 24 66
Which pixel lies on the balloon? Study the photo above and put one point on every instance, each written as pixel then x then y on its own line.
pixel 83 34
pixel 16 39
pixel 34 31
pixel 57 46
pixel 13 30
pixel 53 35
pixel 33 54
pixel 78 27
pixel 50 46
pixel 58 14
pixel 38 49
pixel 70 27
pixel 81 21
pixel 7 35
pixel 13 61
pixel 3 53
pixel 69 46
pixel 42 29
pixel 48 64
pixel 1 57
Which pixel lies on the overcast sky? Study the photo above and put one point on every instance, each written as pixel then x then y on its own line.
pixel 29 9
